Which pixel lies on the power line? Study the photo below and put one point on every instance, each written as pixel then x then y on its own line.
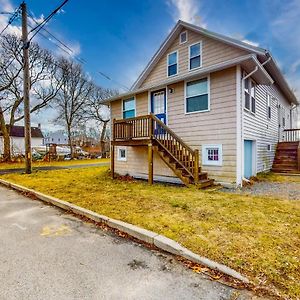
pixel 46 20
pixel 11 19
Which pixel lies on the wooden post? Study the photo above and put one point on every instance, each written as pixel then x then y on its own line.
pixel 150 163
pixel 26 89
pixel 298 156
pixel 112 151
pixel 196 166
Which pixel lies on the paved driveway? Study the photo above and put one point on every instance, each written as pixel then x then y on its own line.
pixel 47 254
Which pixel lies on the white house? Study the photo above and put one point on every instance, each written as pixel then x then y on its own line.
pixel 57 137
pixel 17 140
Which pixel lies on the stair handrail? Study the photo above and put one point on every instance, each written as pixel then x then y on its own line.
pixel 192 170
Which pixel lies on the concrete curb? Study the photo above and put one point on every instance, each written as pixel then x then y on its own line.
pixel 147 236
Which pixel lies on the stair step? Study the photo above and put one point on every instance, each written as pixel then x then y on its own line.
pixel 205 183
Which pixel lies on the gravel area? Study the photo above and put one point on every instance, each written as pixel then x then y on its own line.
pixel 290 191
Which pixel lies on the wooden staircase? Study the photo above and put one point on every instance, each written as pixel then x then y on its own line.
pixel 287 158
pixel 178 156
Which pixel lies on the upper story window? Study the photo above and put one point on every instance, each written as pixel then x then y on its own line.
pixel 250 91
pixel 269 106
pixel 172 63
pixel 197 95
pixel 195 56
pixel 129 108
pixel 183 37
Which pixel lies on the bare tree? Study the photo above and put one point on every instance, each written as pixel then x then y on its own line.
pixel 72 97
pixel 99 112
pixel 44 83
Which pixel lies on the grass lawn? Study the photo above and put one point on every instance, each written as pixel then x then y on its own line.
pixel 275 177
pixel 258 236
pixel 16 165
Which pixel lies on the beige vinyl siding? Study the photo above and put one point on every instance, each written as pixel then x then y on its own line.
pixel 218 126
pixel 263 131
pixel 213 52
pixel 137 164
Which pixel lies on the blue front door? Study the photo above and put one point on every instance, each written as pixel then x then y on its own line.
pixel 248 157
pixel 158 104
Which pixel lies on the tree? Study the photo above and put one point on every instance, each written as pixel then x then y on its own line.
pixel 44 83
pixel 99 112
pixel 72 97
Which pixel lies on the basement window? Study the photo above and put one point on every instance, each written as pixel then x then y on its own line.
pixel 212 155
pixel 122 154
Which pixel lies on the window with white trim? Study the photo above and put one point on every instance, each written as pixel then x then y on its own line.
pixel 183 37
pixel 269 106
pixel 212 155
pixel 172 63
pixel 197 96
pixel 269 147
pixel 128 108
pixel 122 154
pixel 195 56
pixel 250 94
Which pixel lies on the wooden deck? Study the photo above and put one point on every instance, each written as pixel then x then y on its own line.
pixel 149 131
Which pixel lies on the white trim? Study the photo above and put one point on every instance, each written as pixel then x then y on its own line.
pixel 194 74
pixel 189 62
pixel 177 66
pixel 186 33
pixel 172 35
pixel 149 100
pixel 119 149
pixel 239 135
pixel 208 93
pixel 125 99
pixel 206 162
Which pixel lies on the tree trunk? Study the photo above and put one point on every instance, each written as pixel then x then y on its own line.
pixel 102 142
pixel 6 138
pixel 70 142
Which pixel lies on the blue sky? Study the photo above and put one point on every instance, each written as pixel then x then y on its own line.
pixel 119 37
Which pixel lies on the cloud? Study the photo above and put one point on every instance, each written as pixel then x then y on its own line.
pixel 286 30
pixel 252 43
pixel 186 10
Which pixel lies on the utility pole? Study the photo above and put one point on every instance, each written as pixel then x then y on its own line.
pixel 26 89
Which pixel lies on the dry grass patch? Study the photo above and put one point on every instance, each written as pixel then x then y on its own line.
pixel 17 165
pixel 258 236
pixel 275 177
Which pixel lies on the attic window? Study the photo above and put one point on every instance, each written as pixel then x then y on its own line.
pixel 183 37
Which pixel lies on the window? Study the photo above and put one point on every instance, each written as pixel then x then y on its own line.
pixel 269 103
pixel 122 154
pixel 283 121
pixel 183 37
pixel 250 91
pixel 269 147
pixel 195 56
pixel 172 64
pixel 129 108
pixel 197 98
pixel 212 155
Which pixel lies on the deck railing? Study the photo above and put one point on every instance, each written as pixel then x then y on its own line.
pixel 150 127
pixel 292 135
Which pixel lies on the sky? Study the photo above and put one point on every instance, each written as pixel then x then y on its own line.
pixel 118 37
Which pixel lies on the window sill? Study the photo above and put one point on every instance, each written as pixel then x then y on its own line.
pixel 217 164
pixel 196 112
pixel 249 111
pixel 170 76
pixel 121 159
pixel 194 69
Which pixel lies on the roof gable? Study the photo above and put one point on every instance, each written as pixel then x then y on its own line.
pixel 18 131
pixel 173 36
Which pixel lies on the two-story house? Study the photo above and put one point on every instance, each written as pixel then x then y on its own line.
pixel 205 107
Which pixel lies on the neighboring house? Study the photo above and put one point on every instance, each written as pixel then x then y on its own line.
pixel 57 137
pixel 17 140
pixel 220 106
